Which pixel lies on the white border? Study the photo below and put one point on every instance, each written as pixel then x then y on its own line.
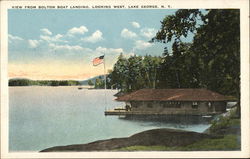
pixel 243 5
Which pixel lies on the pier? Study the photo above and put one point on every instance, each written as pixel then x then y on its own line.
pixel 125 112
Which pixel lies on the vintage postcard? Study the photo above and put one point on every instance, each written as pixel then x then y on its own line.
pixel 125 79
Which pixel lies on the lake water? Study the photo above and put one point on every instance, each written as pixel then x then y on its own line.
pixel 42 117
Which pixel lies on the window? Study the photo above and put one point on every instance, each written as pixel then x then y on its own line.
pixel 149 105
pixel 178 104
pixel 195 105
pixel 135 104
pixel 209 104
pixel 170 104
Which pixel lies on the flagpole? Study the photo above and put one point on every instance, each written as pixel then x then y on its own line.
pixel 105 82
pixel 96 62
pixel 105 86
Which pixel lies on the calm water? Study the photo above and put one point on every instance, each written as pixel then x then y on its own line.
pixel 42 117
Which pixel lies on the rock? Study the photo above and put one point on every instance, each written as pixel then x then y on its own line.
pixel 164 137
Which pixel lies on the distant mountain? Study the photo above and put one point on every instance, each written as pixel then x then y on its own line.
pixel 85 82
pixel 19 78
pixel 82 82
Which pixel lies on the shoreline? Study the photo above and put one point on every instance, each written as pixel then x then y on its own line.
pixel 153 137
pixel 223 134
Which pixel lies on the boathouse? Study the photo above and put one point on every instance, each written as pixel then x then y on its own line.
pixel 171 101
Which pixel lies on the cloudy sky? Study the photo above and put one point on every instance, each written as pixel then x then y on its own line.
pixel 61 44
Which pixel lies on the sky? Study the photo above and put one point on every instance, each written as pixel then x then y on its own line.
pixel 61 44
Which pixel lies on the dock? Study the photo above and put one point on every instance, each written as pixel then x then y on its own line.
pixel 125 112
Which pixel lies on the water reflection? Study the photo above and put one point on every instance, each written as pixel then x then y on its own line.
pixel 171 121
pixel 52 116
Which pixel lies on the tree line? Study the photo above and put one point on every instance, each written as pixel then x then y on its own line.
pixel 98 82
pixel 27 82
pixel 134 73
pixel 211 60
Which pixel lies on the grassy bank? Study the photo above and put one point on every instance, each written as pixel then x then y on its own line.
pixel 226 143
pixel 227 128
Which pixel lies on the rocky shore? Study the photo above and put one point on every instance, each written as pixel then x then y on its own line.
pixel 163 137
pixel 224 134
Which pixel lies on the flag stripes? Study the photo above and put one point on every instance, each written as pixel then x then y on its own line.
pixel 98 60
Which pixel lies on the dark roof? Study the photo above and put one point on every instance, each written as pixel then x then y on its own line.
pixel 172 95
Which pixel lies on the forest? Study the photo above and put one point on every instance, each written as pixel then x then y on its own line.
pixel 28 82
pixel 211 60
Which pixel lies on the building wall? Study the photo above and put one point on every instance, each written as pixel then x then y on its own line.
pixel 178 107
pixel 220 106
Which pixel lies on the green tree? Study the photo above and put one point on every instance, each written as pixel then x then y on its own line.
pixel 19 82
pixel 119 76
pixel 150 69
pixel 135 73
pixel 213 56
pixel 99 83
pixel 90 83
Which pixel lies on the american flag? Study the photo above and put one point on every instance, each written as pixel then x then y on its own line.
pixel 98 60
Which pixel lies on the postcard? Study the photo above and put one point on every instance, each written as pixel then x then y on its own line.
pixel 129 79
